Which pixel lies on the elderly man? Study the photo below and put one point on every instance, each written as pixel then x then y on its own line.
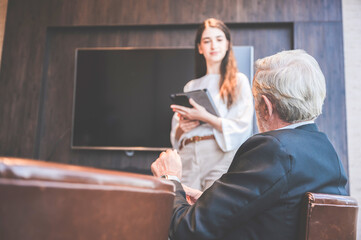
pixel 259 197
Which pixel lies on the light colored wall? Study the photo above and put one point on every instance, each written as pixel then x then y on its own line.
pixel 3 7
pixel 351 10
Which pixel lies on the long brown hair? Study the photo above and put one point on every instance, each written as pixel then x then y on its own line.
pixel 228 81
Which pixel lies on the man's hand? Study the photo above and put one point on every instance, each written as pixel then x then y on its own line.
pixel 191 194
pixel 168 163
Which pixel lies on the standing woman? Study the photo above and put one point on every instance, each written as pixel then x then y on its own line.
pixel 207 149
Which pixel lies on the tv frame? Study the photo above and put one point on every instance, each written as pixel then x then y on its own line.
pixel 128 149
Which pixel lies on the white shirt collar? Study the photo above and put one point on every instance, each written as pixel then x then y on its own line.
pixel 295 125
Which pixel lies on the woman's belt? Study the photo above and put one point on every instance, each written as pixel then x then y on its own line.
pixel 194 139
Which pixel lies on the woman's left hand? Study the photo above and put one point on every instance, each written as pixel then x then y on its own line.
pixel 198 112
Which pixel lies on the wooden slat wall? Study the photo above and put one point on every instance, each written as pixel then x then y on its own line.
pixel 37 68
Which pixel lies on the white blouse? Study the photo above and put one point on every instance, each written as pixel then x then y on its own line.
pixel 236 121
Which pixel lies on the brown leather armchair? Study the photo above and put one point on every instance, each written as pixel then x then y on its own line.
pixel 42 200
pixel 327 217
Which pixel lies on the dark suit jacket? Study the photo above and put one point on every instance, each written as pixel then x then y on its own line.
pixel 260 195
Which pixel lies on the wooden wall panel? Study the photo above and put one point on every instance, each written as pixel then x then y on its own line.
pixel 154 12
pixel 20 75
pixel 55 132
pixel 267 39
pixel 36 69
pixel 323 41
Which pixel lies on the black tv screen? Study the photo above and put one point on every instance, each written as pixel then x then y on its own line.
pixel 121 98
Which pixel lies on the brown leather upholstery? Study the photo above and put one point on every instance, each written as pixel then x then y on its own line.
pixel 328 216
pixel 42 200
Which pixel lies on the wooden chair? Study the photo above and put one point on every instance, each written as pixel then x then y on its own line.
pixel 327 217
pixel 42 200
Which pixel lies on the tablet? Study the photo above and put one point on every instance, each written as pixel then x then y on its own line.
pixel 202 97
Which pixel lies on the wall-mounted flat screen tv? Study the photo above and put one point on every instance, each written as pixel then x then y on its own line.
pixel 121 98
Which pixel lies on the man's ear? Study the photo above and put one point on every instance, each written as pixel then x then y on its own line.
pixel 268 108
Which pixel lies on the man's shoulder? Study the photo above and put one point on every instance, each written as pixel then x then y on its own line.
pixel 266 137
pixel 281 140
pixel 264 153
pixel 287 142
pixel 260 144
pixel 286 135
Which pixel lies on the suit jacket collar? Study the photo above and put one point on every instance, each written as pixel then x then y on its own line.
pixel 309 127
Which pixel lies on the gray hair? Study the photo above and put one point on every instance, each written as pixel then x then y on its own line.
pixel 294 83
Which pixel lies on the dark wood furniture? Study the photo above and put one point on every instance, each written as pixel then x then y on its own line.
pixel 41 200
pixel 328 217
